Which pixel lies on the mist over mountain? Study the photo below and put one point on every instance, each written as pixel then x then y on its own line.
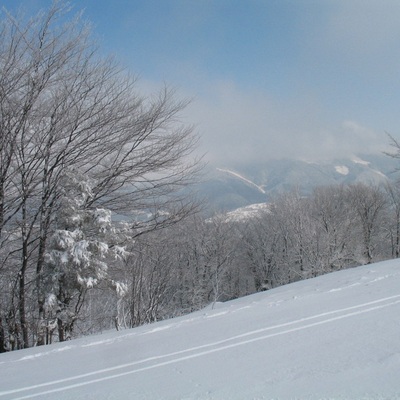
pixel 227 187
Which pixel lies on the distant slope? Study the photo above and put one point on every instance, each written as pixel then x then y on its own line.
pixel 224 191
pixel 332 337
pixel 247 181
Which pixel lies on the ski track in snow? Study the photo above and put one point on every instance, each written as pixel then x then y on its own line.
pixel 201 350
pixel 366 281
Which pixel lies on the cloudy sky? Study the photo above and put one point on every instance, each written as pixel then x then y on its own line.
pixel 269 78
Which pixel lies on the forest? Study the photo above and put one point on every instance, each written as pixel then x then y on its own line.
pixel 99 226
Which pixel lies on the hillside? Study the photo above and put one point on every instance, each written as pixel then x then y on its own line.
pixel 331 337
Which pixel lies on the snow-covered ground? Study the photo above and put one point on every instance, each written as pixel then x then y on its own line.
pixel 243 214
pixel 342 170
pixel 332 337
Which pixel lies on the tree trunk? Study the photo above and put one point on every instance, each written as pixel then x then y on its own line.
pixel 61 330
pixel 41 334
pixel 21 307
pixel 2 337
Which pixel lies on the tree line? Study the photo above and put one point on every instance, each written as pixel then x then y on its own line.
pixel 197 262
pixel 203 261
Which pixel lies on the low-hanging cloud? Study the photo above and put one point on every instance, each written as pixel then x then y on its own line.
pixel 242 126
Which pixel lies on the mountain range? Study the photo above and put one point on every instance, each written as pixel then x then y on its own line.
pixel 226 188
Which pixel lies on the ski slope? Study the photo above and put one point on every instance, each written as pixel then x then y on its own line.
pixel 331 337
pixel 248 181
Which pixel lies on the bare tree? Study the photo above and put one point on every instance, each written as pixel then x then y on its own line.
pixel 335 220
pixel 292 221
pixel 261 241
pixel 368 203
pixel 392 224
pixel 63 106
pixel 152 271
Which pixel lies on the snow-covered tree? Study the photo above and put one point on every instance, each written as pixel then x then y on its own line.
pixel 261 243
pixel 392 219
pixel 65 107
pixel 82 244
pixel 335 221
pixel 368 203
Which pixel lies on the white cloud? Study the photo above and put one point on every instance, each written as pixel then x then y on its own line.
pixel 337 99
pixel 239 125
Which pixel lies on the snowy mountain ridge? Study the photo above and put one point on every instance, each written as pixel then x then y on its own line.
pixel 331 337
pixel 235 186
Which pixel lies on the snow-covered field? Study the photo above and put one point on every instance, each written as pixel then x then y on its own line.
pixel 332 337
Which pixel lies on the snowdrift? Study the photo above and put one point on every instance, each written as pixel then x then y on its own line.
pixel 332 337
